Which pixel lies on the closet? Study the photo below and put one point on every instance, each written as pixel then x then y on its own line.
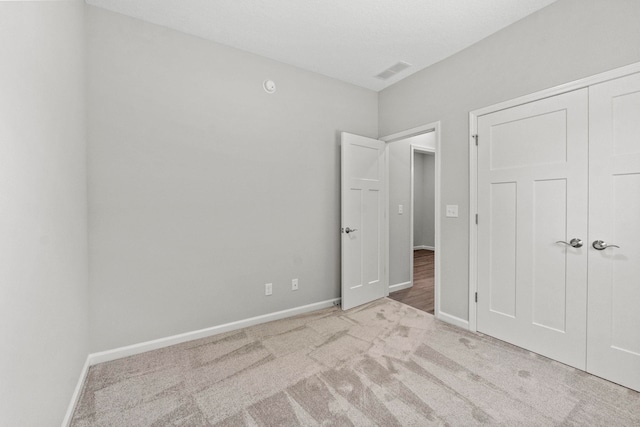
pixel 558 235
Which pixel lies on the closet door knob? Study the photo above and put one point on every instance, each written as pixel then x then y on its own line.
pixel 574 243
pixel 602 245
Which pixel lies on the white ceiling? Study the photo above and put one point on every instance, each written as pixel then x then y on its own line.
pixel 350 40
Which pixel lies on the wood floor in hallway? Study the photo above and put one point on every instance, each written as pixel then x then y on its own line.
pixel 421 295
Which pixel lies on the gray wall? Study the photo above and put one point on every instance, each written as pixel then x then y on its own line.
pixel 418 198
pixel 566 41
pixel 424 200
pixel 43 248
pixel 202 186
pixel 400 194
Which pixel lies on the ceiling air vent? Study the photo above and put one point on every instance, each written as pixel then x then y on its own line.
pixel 393 70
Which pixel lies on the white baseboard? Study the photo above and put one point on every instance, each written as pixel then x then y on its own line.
pixel 456 321
pixel 76 394
pixel 130 350
pixel 426 248
pixel 400 286
pixel 109 355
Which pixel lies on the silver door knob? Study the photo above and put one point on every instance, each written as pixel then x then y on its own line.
pixel 574 243
pixel 602 245
pixel 350 230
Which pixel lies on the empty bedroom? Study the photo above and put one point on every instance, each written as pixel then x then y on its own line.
pixel 306 213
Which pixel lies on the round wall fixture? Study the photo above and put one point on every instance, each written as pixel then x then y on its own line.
pixel 269 86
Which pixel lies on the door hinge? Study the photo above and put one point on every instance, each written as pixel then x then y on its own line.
pixel 476 138
pixel 476 219
pixel 476 297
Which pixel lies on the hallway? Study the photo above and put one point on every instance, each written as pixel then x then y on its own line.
pixel 421 295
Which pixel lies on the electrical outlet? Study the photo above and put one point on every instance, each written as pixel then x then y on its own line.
pixel 268 288
pixel 452 211
pixel 294 284
pixel 400 209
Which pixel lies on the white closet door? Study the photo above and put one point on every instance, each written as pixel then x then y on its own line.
pixel 532 193
pixel 614 215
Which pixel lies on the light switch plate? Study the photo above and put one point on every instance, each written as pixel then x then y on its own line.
pixel 452 211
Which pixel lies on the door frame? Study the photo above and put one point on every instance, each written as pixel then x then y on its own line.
pixel 430 127
pixel 473 161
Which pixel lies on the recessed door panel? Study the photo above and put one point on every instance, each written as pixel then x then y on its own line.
pixel 512 145
pixel 626 126
pixel 625 274
pixel 365 162
pixel 502 284
pixel 549 287
pixel 372 245
pixel 353 276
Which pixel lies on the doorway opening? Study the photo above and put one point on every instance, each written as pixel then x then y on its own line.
pixel 413 217
pixel 422 294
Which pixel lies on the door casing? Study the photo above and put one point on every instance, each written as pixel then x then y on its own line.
pixel 431 127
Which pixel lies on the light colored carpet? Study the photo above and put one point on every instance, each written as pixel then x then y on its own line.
pixel 381 364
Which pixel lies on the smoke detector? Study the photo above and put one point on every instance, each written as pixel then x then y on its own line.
pixel 269 86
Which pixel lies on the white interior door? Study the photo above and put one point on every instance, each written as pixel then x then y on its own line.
pixel 614 217
pixel 363 239
pixel 532 193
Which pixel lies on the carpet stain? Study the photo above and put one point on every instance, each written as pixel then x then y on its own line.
pixel 524 374
pixel 402 331
pixel 467 343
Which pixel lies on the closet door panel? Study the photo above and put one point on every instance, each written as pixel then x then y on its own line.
pixel 614 217
pixel 532 193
